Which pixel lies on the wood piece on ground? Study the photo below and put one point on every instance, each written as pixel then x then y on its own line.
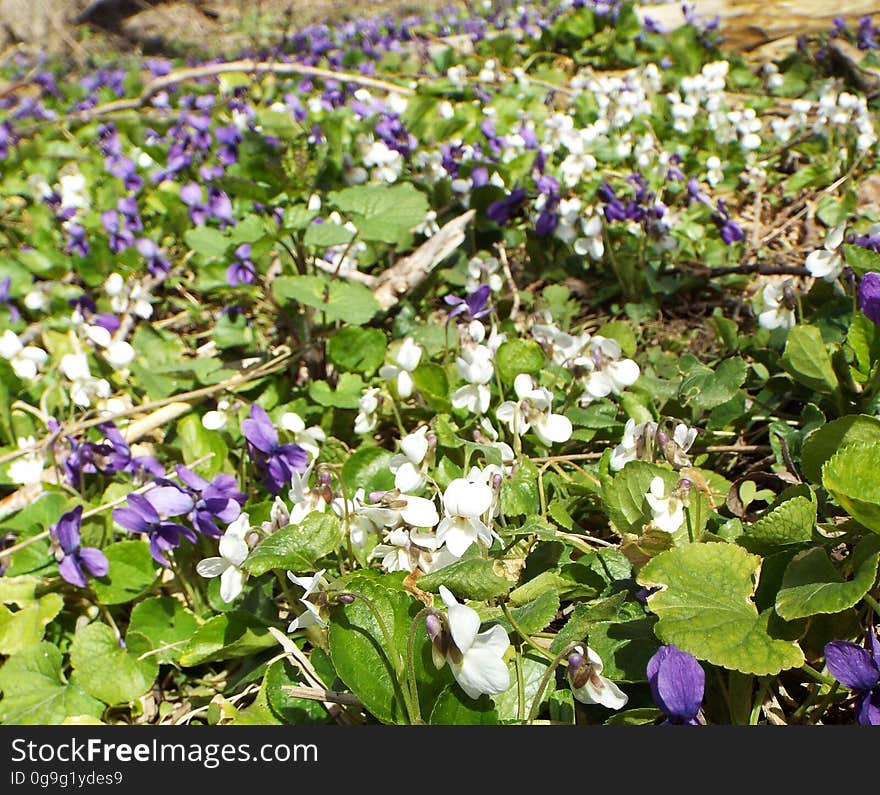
pixel 408 273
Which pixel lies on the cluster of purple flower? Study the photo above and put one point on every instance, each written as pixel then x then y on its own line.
pixel 109 456
pixel 202 502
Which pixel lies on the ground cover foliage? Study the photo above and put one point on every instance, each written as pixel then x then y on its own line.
pixel 515 364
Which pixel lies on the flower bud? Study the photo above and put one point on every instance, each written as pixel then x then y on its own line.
pixel 345 598
pixel 434 627
pixel 578 670
pixel 376 496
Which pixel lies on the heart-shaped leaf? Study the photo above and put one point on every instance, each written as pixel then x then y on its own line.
pixel 705 608
pixel 812 584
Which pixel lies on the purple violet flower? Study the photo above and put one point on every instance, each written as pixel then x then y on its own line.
pixel 156 263
pixel 242 270
pixel 472 307
pixel 730 232
pixel 859 670
pixel 75 560
pixel 149 513
pixel 502 210
pixel 869 296
pixel 677 683
pixel 14 314
pixel 217 500
pixel 276 462
pixel 77 240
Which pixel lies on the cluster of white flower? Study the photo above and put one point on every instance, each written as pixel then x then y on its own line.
pixel 836 111
pixel 702 92
pixel 484 270
pixel 646 441
pixel 384 164
pixel 560 131
pixel 128 297
pixel 414 533
pixel 26 360
pixel 620 98
pixel 476 365
pixel 606 370
pixel 580 228
pixel 84 387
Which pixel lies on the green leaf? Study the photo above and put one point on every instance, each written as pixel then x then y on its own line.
pixel 248 230
pixel 431 380
pixel 207 241
pixel 348 392
pixel 826 440
pixel 291 710
pixel 621 332
pixel 298 216
pixel 863 337
pixel 232 330
pixel 507 703
pixel 625 500
pixel 852 477
pixel 641 716
pixel 625 648
pixel 297 547
pixel 806 358
pixel 550 580
pixel 519 492
pixel 454 708
pixel 327 234
pixel 132 571
pixel 517 356
pixel 792 522
pixel 861 260
pixel 532 617
pixel 363 659
pixel 341 300
pixel 360 350
pixel 166 623
pixel 706 388
pixel 107 671
pixel 198 443
pixel 470 578
pixel 812 584
pixel 226 637
pixel 705 608
pixel 24 627
pixel 562 709
pixel 367 469
pixel 35 692
pixel 585 616
pixel 382 213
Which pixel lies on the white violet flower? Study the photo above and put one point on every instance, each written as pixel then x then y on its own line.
pixel 587 683
pixel 668 510
pixel 475 658
pixel 233 550
pixel 405 361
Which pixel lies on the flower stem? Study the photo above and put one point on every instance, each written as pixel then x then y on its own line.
pixel 818 676
pixel 520 686
pixel 411 664
pixel 872 603
pixel 519 631
pixel 542 685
